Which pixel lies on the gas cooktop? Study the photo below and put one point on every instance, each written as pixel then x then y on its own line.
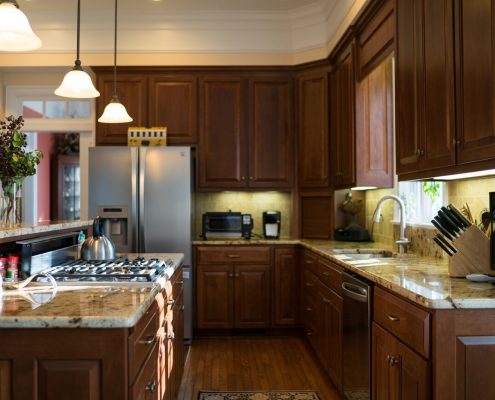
pixel 120 270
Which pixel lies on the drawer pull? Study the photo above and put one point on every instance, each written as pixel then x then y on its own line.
pixel 180 282
pixel 326 301
pixel 181 308
pixel 171 336
pixel 233 256
pixel 308 284
pixel 149 340
pixel 231 275
pixel 309 262
pixel 309 333
pixel 393 318
pixel 150 387
pixel 326 273
pixel 171 303
pixel 309 308
pixel 392 360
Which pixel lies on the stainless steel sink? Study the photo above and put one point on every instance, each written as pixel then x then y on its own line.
pixel 362 256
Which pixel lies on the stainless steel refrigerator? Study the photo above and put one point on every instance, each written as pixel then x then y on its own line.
pixel 143 195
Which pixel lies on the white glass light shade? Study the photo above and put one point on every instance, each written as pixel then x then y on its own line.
pixel 15 31
pixel 77 84
pixel 114 113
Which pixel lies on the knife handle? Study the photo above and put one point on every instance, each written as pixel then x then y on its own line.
pixel 442 246
pixel 441 229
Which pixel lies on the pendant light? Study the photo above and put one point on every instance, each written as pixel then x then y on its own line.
pixel 115 111
pixel 77 83
pixel 15 31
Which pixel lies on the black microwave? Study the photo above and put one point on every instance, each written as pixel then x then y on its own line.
pixel 227 225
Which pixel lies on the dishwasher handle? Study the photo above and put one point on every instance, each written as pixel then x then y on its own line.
pixel 355 292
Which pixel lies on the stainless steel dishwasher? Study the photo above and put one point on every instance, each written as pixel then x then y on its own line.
pixel 357 295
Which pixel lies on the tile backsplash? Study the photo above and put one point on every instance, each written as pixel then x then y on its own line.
pixel 471 191
pixel 253 203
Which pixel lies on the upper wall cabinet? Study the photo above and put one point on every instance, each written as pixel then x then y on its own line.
pixel 425 85
pixel 173 103
pixel 312 129
pixel 151 100
pixel 132 92
pixel 342 122
pixel 246 139
pixel 223 136
pixel 475 88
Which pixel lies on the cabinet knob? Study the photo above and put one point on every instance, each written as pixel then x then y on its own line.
pixel 419 153
pixel 251 178
pixel 171 303
pixel 392 360
pixel 456 142
pixel 150 387
pixel 243 178
pixel 231 275
pixel 308 284
pixel 170 336
pixel 237 275
pixel 309 333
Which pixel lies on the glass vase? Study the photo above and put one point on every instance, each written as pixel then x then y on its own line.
pixel 11 205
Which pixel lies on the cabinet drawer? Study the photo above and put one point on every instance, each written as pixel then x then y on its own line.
pixel 404 320
pixel 233 254
pixel 146 384
pixel 143 339
pixel 310 283
pixel 310 261
pixel 330 274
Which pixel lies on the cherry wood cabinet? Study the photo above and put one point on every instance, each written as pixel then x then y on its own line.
pixel 313 129
pixel 424 85
pixel 234 294
pixel 133 94
pixel 245 133
pixel 398 373
pixel 223 135
pixel 342 119
pixel 286 281
pixel 271 159
pixel 475 74
pixel 173 103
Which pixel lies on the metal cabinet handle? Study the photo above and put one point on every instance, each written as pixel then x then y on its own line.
pixel 182 308
pixel 326 301
pixel 251 178
pixel 309 308
pixel 233 256
pixel 150 387
pixel 393 318
pixel 231 275
pixel 392 360
pixel 326 273
pixel 149 340
pixel 237 275
pixel 308 284
pixel 243 178
pixel 309 333
pixel 309 262
pixel 456 142
pixel 171 303
pixel 180 282
pixel 170 336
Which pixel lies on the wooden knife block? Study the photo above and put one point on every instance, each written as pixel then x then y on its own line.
pixel 473 256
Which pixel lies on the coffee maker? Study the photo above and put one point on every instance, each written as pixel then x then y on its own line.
pixel 271 224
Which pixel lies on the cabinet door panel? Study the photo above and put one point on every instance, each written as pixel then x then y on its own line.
pixel 384 378
pixel 214 296
pixel 173 103
pixel 252 296
pixel 270 140
pixel 131 90
pixel 286 293
pixel 475 65
pixel 222 161
pixel 342 109
pixel 68 379
pixel 5 380
pixel 414 375
pixel 313 130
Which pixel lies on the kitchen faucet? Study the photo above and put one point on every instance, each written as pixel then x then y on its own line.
pixel 403 241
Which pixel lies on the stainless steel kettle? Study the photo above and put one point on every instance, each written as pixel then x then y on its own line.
pixel 97 247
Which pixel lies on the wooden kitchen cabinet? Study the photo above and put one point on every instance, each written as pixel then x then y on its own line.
pixel 173 102
pixel 342 120
pixel 271 159
pixel 286 287
pixel 424 85
pixel 245 133
pixel 235 294
pixel 312 129
pixel 475 80
pixel 398 373
pixel 223 135
pixel 132 92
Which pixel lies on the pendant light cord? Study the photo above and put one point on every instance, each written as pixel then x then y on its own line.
pixel 115 55
pixel 78 61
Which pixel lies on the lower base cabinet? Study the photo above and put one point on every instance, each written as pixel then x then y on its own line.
pixel 398 373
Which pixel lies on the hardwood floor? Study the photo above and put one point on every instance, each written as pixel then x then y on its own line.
pixel 253 363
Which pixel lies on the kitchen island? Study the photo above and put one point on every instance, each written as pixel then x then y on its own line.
pixel 117 341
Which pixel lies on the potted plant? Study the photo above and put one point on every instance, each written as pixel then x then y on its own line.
pixel 15 164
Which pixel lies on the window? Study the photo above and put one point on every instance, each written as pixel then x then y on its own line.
pixel 422 200
pixel 55 109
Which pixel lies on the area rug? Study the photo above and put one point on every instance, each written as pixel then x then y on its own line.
pixel 284 395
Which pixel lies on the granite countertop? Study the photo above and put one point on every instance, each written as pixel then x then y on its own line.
pixel 423 280
pixel 90 306
pixel 43 227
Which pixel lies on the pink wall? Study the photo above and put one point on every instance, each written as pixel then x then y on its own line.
pixel 46 143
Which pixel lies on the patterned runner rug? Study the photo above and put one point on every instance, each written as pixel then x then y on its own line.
pixel 289 395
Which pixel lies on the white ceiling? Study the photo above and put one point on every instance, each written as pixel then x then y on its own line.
pixel 260 29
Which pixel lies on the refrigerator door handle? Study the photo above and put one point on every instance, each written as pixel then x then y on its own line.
pixel 142 174
pixel 134 199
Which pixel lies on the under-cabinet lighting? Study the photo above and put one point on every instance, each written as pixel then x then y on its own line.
pixel 357 188
pixel 465 175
